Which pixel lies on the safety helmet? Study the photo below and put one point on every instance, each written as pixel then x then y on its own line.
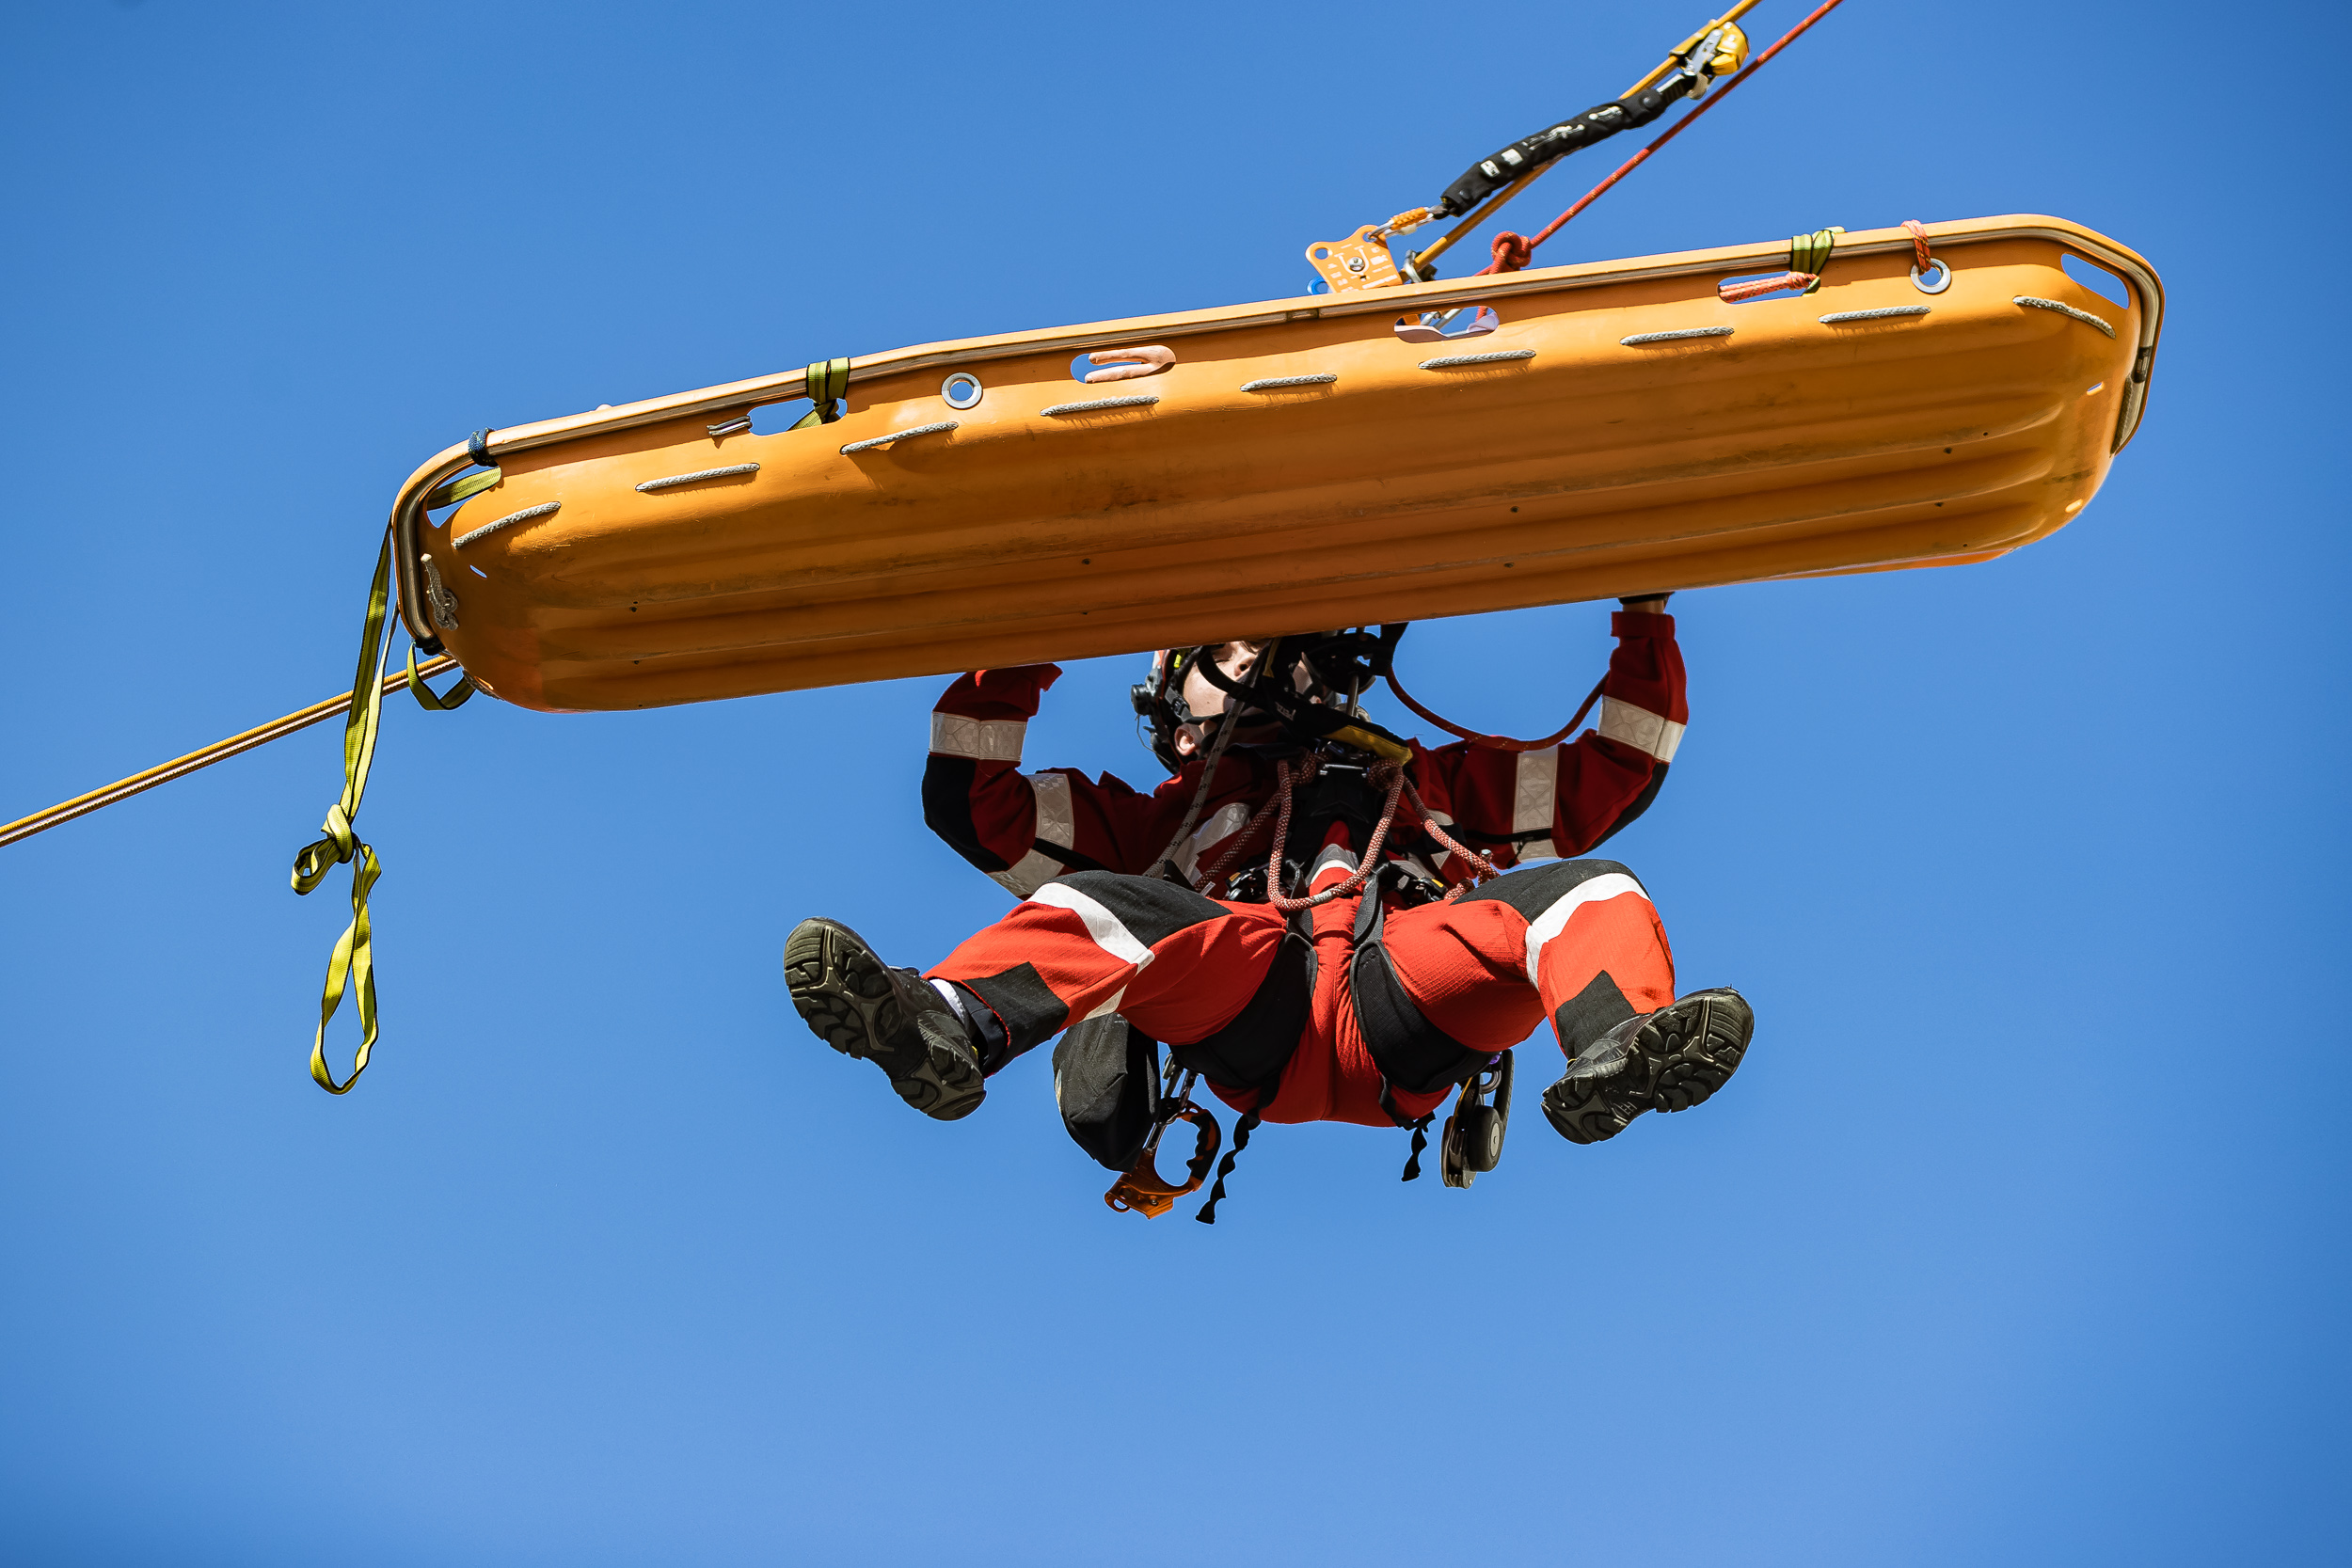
pixel 1306 684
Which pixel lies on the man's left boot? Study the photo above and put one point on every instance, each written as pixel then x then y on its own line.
pixel 892 1018
pixel 1669 1060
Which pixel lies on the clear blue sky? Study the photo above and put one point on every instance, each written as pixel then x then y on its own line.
pixel 2021 1238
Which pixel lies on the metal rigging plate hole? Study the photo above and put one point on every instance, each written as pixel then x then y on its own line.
pixel 1122 364
pixel 1436 327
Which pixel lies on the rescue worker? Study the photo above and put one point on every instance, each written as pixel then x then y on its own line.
pixel 1369 1006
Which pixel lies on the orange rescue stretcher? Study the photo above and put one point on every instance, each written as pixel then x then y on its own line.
pixel 1438 449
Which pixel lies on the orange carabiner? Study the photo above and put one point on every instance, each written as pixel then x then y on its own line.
pixel 1140 1189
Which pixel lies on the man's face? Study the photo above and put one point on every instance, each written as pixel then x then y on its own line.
pixel 1236 660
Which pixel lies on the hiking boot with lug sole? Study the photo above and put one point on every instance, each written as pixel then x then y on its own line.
pixel 1669 1060
pixel 862 1007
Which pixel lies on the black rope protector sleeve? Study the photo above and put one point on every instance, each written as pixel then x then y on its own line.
pixel 1421 1141
pixel 1242 1130
pixel 1530 153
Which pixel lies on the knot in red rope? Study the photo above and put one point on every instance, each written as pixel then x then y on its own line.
pixel 1512 252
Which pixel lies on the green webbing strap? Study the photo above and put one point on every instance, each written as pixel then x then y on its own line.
pixel 827 383
pixel 441 701
pixel 460 489
pixel 353 958
pixel 1810 253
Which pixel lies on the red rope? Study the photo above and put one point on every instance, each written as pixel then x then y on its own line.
pixel 1920 242
pixel 1481 868
pixel 1495 742
pixel 1677 129
pixel 1399 787
pixel 1364 870
pixel 1512 252
pixel 1732 293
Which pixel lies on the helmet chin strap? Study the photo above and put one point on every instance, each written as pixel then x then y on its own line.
pixel 1208 774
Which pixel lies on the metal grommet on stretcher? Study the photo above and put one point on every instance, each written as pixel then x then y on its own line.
pixel 961 390
pixel 1943 276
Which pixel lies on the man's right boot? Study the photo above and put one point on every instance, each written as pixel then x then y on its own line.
pixel 1669 1060
pixel 892 1018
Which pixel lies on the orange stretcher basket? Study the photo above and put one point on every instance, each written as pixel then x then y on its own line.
pixel 1610 427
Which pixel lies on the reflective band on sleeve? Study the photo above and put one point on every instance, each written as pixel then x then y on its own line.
pixel 1222 824
pixel 1056 825
pixel 1534 801
pixel 1109 934
pixel 1027 874
pixel 1610 885
pixel 982 739
pixel 1639 728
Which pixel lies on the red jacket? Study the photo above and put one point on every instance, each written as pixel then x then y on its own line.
pixel 1025 830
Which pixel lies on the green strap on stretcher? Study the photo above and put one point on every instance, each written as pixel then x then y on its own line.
pixel 827 383
pixel 353 962
pixel 437 702
pixel 352 965
pixel 1810 253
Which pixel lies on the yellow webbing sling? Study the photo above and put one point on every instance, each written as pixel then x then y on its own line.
pixel 353 962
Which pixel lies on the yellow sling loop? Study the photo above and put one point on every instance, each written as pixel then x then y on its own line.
pixel 353 962
pixel 827 383
pixel 1809 253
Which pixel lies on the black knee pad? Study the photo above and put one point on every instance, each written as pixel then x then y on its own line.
pixel 1537 887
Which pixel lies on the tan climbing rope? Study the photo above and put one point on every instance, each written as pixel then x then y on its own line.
pixel 221 751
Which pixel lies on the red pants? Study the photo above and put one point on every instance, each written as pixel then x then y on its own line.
pixel 1426 993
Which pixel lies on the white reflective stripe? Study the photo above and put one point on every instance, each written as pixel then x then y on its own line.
pixel 982 739
pixel 1222 825
pixel 1102 925
pixel 1554 920
pixel 1029 873
pixel 1534 800
pixel 1110 1007
pixel 1054 824
pixel 1054 827
pixel 1641 729
pixel 1538 790
pixel 1334 856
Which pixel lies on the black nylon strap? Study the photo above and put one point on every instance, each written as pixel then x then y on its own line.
pixel 1242 1130
pixel 1413 1053
pixel 1251 1052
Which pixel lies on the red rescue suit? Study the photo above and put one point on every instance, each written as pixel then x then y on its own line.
pixel 1363 1010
